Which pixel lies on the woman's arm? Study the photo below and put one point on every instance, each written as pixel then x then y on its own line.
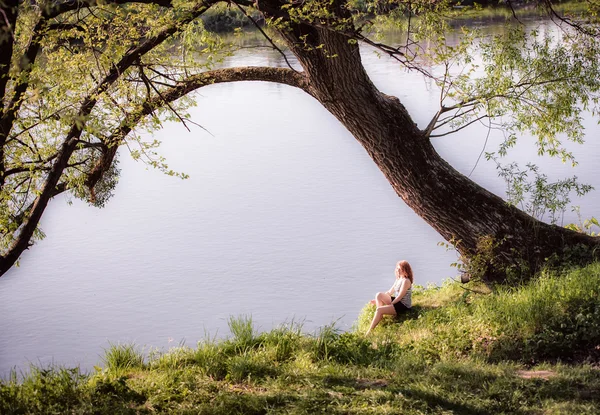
pixel 403 289
pixel 390 292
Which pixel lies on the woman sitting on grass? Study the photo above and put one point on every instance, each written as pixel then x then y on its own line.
pixel 398 298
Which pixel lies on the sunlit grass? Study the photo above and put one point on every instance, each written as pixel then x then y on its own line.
pixel 460 350
pixel 123 356
pixel 556 316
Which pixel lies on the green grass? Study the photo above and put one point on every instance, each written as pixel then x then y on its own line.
pixel 555 317
pixel 123 356
pixel 459 351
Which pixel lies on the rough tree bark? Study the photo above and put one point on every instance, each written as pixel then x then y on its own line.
pixel 460 210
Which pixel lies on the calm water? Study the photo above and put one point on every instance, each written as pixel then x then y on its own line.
pixel 284 218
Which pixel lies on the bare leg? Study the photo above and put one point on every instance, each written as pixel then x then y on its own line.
pixel 382 299
pixel 379 313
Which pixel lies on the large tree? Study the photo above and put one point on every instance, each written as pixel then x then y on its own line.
pixel 79 77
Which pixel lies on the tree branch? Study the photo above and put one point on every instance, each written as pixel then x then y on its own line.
pixel 150 84
pixel 266 36
pixel 22 241
pixel 8 21
pixel 27 61
pixel 29 166
pixel 18 219
pixel 555 16
pixel 458 129
pixel 250 73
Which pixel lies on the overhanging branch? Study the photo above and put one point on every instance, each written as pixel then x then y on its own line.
pixel 69 144
pixel 250 73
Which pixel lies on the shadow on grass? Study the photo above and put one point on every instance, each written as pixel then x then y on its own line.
pixel 413 313
pixel 437 402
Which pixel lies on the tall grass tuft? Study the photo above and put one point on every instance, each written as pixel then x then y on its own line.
pixel 243 332
pixel 324 342
pixel 211 359
pixel 123 356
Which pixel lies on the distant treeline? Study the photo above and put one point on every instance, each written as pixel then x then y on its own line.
pixel 225 18
pixel 385 6
pixel 222 18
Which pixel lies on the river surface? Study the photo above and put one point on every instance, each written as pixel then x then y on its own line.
pixel 284 218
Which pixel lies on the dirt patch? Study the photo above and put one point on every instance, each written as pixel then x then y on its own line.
pixel 535 374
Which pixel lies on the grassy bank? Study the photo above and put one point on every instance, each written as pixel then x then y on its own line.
pixel 460 350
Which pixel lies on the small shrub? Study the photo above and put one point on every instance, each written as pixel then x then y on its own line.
pixel 355 349
pixel 10 396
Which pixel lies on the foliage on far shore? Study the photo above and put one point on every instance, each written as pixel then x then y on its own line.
pixel 227 18
pixel 462 349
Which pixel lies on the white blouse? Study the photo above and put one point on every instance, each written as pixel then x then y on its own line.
pixel 407 299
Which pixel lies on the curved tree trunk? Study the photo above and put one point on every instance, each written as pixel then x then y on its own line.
pixel 485 230
pixel 460 210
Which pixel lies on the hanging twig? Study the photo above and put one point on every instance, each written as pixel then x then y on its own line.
pixel 484 145
pixel 266 37
pixel 149 84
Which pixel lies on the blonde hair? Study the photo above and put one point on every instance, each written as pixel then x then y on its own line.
pixel 405 270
